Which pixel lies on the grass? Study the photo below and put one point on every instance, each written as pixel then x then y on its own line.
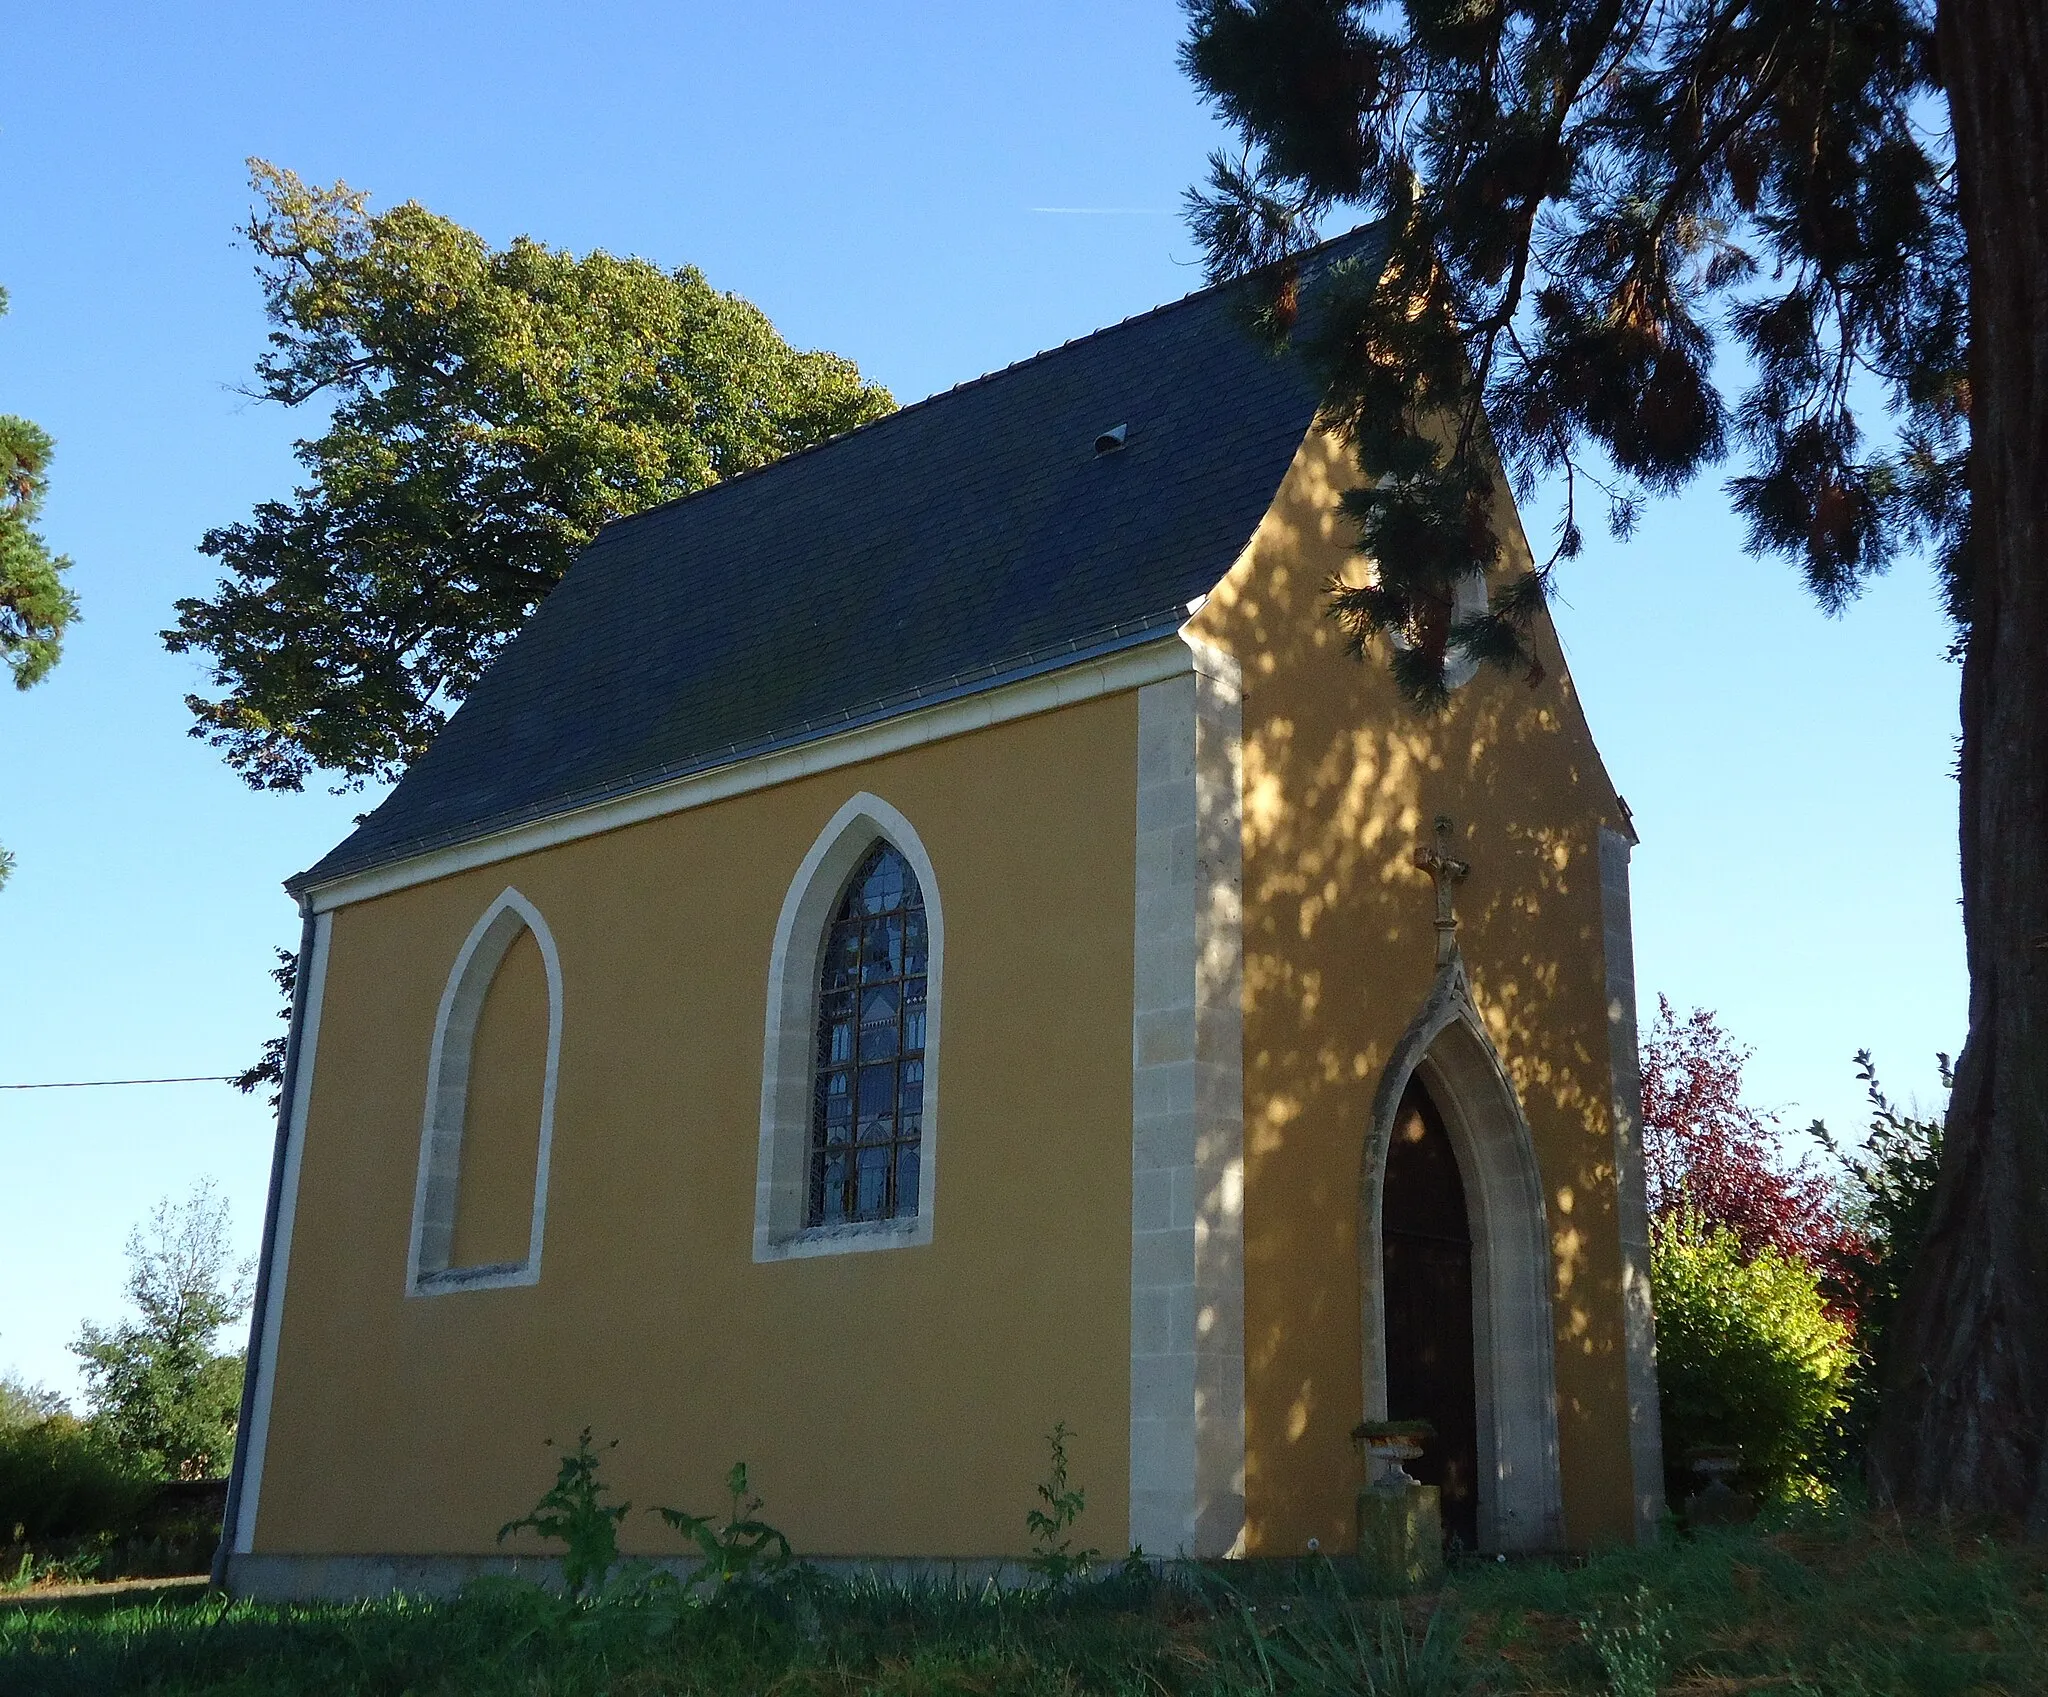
pixel 1846 1606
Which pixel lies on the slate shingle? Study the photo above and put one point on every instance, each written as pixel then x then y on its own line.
pixel 960 543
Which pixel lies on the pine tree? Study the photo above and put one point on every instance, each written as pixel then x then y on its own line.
pixel 1587 199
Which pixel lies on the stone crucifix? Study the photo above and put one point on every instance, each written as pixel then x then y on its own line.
pixel 1444 869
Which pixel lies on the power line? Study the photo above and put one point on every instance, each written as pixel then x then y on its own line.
pixel 105 1083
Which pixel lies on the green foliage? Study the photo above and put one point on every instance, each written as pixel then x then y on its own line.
pixel 23 1404
pixel 155 1384
pixel 573 1512
pixel 1324 1643
pixel 742 1551
pixel 491 409
pixel 35 606
pixel 32 1570
pixel 1053 1556
pixel 61 1477
pixel 1889 1192
pixel 1747 1353
pixel 1633 1644
pixel 269 1067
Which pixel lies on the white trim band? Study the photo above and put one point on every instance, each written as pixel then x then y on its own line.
pixel 1130 669
pixel 256 1441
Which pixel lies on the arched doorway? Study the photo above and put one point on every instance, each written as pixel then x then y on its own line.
pixel 1447 1055
pixel 1426 1261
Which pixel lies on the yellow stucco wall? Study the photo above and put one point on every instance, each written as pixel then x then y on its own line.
pixel 888 1403
pixel 1341 783
pixel 881 1398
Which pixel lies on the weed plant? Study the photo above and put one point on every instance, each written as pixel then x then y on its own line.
pixel 1051 1525
pixel 741 1553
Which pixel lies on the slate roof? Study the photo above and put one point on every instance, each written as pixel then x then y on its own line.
pixel 958 544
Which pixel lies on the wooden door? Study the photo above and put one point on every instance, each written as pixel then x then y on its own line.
pixel 1426 1257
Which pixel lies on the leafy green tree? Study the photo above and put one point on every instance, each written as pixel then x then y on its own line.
pixel 491 408
pixel 23 1404
pixel 268 1068
pixel 156 1384
pixel 1747 1353
pixel 1589 201
pixel 36 608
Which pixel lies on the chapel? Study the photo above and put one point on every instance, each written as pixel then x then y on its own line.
pixel 935 939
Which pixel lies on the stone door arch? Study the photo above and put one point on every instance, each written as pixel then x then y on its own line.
pixel 1520 1496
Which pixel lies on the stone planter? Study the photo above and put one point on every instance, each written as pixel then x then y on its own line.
pixel 1386 1444
pixel 1717 1502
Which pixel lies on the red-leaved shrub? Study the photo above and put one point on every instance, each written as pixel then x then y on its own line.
pixel 1707 1150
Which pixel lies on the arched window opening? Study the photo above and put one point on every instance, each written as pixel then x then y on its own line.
pixel 480 1209
pixel 868 1102
pixel 1426 1251
pixel 501 1119
pixel 850 1058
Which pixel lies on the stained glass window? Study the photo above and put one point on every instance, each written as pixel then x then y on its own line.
pixel 867 1113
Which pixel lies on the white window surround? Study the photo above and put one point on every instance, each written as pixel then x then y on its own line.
pixel 427 1270
pixel 789 1048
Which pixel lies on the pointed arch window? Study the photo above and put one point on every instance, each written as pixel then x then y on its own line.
pixel 868 1104
pixel 850 1062
pixel 480 1203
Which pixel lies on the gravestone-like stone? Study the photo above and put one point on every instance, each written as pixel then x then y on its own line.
pixel 1400 1535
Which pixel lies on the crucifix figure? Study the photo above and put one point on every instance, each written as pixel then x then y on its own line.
pixel 1444 870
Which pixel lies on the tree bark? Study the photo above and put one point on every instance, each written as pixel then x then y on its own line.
pixel 1965 1427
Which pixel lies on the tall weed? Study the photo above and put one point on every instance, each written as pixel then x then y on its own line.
pixel 744 1550
pixel 573 1511
pixel 1053 1556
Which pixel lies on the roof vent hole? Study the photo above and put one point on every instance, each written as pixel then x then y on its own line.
pixel 1112 438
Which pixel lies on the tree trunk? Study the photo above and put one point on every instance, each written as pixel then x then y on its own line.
pixel 1965 1426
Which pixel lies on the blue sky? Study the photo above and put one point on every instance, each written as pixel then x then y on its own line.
pixel 874 177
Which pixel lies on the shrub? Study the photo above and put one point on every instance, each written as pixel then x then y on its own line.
pixel 59 1478
pixel 1888 1187
pixel 1705 1148
pixel 1747 1353
pixel 23 1404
